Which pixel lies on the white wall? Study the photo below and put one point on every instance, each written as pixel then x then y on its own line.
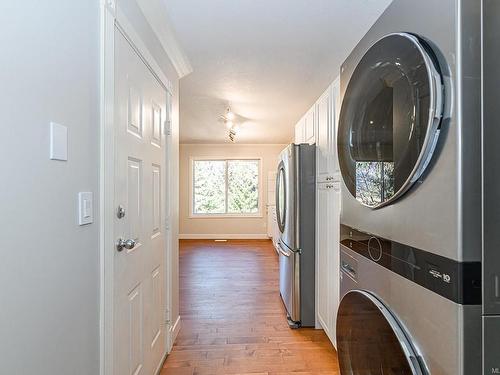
pixel 49 266
pixel 249 227
pixel 49 269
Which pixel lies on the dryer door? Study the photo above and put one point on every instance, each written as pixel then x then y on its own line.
pixel 390 118
pixel 371 341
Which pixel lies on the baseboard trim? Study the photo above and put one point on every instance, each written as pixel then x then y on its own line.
pixel 251 236
pixel 160 366
pixel 174 330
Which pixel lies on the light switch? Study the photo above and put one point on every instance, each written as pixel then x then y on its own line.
pixel 58 142
pixel 85 208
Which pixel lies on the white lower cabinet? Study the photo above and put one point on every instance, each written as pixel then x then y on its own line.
pixel 327 256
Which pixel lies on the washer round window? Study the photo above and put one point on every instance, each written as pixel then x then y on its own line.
pixel 390 117
pixel 371 341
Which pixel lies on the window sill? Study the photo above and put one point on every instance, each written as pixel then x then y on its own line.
pixel 226 216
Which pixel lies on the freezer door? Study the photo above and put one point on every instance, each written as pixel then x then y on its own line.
pixel 289 281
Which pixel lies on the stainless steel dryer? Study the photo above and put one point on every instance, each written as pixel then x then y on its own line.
pixel 409 151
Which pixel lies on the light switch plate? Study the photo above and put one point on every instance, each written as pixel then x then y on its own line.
pixel 58 142
pixel 85 208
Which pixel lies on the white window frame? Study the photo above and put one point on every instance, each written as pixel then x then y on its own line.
pixel 194 215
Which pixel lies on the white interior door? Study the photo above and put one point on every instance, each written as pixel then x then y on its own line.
pixel 139 270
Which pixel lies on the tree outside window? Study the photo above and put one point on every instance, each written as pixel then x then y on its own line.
pixel 226 187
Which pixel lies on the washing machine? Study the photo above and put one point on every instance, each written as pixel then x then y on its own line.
pixel 409 144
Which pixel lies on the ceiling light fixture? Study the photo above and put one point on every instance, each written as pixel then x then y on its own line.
pixel 228 119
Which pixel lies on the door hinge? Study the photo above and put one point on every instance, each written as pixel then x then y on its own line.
pixel 168 127
pixel 168 322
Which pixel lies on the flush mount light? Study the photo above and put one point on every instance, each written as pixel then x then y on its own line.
pixel 230 115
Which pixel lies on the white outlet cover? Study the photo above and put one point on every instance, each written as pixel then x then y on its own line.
pixel 58 142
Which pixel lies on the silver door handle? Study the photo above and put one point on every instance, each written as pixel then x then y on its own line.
pixel 125 244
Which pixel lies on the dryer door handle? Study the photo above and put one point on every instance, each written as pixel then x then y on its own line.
pixel 346 267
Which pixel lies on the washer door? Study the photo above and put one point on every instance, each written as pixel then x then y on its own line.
pixel 390 118
pixel 371 341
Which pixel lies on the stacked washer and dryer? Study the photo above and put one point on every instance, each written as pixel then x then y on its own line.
pixel 409 147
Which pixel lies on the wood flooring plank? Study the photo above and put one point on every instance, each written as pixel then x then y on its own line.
pixel 233 320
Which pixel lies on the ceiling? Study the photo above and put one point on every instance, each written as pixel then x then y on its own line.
pixel 268 59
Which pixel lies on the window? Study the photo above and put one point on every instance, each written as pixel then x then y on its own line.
pixel 226 187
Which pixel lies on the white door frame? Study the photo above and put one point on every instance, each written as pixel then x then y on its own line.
pixel 112 17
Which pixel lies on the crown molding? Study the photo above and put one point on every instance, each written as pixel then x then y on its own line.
pixel 155 13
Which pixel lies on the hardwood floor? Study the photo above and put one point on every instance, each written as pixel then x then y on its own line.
pixel 233 321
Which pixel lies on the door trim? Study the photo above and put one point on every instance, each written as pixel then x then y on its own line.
pixel 111 17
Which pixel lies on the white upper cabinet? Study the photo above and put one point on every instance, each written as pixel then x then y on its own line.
pixel 300 131
pixel 336 117
pixel 310 126
pixel 305 129
pixel 324 137
pixel 327 109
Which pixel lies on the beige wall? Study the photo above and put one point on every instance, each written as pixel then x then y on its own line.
pixel 246 227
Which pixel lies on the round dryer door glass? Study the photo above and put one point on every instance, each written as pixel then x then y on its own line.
pixel 371 341
pixel 390 117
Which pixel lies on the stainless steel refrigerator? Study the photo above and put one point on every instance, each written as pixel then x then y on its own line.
pixel 295 211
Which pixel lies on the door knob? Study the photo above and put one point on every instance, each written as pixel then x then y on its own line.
pixel 125 244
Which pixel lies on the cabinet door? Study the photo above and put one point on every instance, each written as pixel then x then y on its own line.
pixel 299 132
pixel 310 126
pixel 324 138
pixel 335 114
pixel 322 252
pixel 327 255
pixel 334 258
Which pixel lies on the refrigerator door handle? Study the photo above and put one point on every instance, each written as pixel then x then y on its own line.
pixel 283 252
